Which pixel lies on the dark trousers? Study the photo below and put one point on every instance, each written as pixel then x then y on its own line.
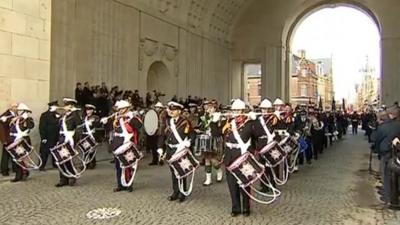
pixel 394 196
pixel 355 128
pixel 92 164
pixel 267 173
pixel 151 143
pixel 175 185
pixel 64 179
pixel 308 153
pixel 45 153
pixel 235 191
pixel 118 170
pixel 317 143
pixel 19 171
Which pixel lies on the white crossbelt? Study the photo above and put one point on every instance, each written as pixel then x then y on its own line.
pixel 264 125
pixel 243 146
pixel 182 144
pixel 69 135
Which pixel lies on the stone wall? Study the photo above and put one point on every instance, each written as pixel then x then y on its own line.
pixel 25 54
pixel 117 41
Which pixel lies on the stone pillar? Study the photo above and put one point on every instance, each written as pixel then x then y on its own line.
pixel 272 80
pixel 390 70
pixel 25 54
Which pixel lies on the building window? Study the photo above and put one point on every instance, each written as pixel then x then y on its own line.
pixel 304 72
pixel 303 90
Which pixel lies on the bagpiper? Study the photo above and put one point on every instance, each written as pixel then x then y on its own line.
pixel 210 140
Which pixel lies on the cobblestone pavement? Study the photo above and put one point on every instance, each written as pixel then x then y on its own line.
pixel 333 190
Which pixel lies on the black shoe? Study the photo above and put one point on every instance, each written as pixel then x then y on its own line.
pixel 173 197
pixel 234 214
pixel 182 198
pixel 153 164
pixel 161 163
pixel 129 189
pixel 5 174
pixel 42 169
pixel 118 189
pixel 246 213
pixel 72 182
pixel 60 184
pixel 15 180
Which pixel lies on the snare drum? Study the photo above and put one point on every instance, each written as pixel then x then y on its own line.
pixel 246 169
pixel 87 144
pixel 63 153
pixel 183 163
pixel 289 144
pixel 203 143
pixel 19 150
pixel 129 156
pixel 273 154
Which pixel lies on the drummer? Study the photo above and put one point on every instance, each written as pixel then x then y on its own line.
pixel 210 127
pixel 20 126
pixel 237 132
pixel 180 126
pixel 91 122
pixel 264 130
pixel 126 125
pixel 160 126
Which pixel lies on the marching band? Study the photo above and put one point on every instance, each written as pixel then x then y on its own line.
pixel 258 149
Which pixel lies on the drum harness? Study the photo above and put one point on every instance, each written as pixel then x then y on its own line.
pixel 243 147
pixel 182 144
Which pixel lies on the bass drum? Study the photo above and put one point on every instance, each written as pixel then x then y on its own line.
pixel 151 122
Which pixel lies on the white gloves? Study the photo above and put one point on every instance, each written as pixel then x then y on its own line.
pixel 252 115
pixel 395 141
pixel 44 141
pixel 160 152
pixel 216 117
pixel 3 119
pixel 104 120
pixel 130 114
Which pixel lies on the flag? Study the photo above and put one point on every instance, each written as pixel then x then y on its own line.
pixel 320 105
pixel 343 105
pixel 333 104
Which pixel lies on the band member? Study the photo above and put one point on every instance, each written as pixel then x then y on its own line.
pixel 237 132
pixel 152 140
pixel 48 130
pixel 126 125
pixel 20 126
pixel 280 127
pixel 68 135
pixel 303 127
pixel 355 121
pixel 210 125
pixel 5 137
pixel 91 122
pixel 317 133
pixel 178 135
pixel 193 115
pixel 263 128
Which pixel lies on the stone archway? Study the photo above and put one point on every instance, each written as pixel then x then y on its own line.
pixel 159 78
pixel 292 25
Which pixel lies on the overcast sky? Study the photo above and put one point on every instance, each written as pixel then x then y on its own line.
pixel 346 34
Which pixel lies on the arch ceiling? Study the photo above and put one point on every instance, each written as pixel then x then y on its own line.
pixel 212 18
